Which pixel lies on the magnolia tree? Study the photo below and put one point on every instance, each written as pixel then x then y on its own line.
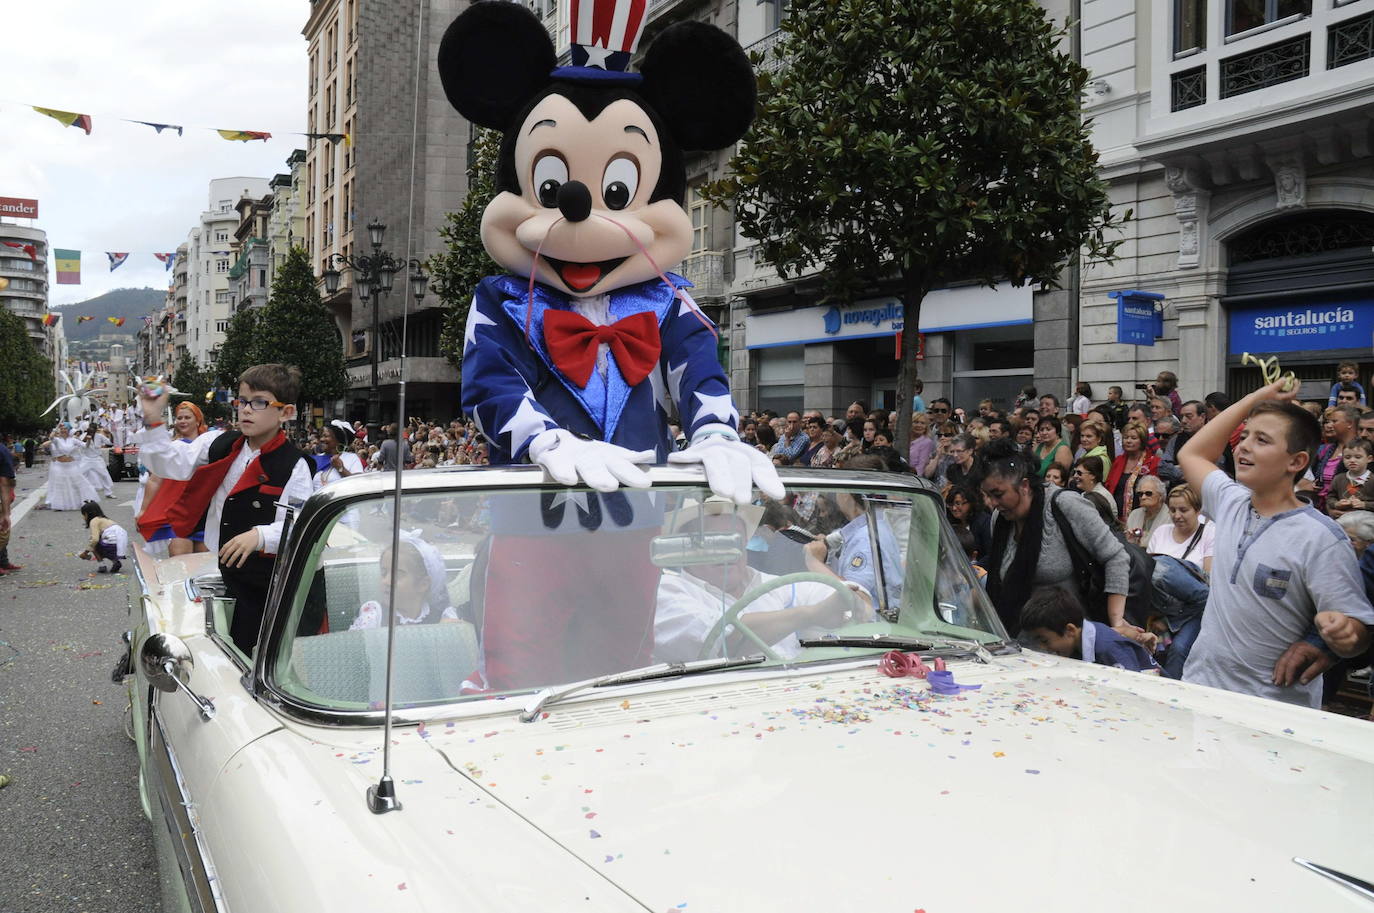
pixel 922 141
pixel 455 272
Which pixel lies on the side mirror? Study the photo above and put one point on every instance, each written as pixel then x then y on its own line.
pixel 166 663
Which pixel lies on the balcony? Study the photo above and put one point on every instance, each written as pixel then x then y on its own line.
pixel 771 62
pixel 706 271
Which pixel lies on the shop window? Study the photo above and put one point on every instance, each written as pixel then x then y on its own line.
pixel 781 378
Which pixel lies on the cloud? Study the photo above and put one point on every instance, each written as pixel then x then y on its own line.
pixel 125 187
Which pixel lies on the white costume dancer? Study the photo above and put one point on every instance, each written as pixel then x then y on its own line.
pixel 93 464
pixel 68 487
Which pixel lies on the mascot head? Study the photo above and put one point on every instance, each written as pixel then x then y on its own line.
pixel 591 178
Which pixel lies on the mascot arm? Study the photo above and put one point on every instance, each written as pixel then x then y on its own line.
pixel 498 370
pixel 699 385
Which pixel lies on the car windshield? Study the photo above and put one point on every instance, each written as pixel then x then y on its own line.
pixel 502 591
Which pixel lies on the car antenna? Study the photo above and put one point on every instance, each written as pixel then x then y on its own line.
pixel 381 796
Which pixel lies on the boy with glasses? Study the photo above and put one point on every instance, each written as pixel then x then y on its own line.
pixel 236 479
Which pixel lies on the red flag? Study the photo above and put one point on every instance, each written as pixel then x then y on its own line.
pixel 26 248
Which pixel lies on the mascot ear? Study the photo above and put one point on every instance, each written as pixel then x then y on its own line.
pixel 493 59
pixel 700 82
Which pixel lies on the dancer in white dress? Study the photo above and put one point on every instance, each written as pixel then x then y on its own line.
pixel 92 461
pixel 68 487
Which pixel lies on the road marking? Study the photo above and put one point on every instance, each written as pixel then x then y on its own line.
pixel 26 505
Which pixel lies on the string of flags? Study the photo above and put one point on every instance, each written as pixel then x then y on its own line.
pixel 84 121
pixel 50 319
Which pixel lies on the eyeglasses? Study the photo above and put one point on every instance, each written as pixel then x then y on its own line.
pixel 257 405
pixel 940 410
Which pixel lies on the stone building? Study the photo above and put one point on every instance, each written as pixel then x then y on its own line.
pixel 1240 134
pixel 403 164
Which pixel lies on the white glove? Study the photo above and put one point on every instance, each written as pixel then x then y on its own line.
pixel 603 466
pixel 732 467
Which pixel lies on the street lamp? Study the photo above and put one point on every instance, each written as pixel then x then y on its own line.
pixel 374 278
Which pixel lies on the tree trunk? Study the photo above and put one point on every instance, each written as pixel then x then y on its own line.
pixel 913 294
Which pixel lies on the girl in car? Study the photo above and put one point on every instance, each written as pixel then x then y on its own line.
pixel 421 588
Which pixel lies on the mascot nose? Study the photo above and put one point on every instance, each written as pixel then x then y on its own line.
pixel 575 201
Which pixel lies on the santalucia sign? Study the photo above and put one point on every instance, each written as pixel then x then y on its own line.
pixel 1315 327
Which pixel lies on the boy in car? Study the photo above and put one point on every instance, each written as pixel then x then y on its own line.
pixel 1280 570
pixel 237 478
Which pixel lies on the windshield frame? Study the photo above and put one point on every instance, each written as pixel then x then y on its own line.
pixel 323 507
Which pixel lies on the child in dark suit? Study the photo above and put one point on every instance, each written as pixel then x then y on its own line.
pixel 1054 617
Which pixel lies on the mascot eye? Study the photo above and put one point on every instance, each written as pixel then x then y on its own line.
pixel 550 173
pixel 620 182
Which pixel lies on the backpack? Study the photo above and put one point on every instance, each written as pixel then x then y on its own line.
pixel 1091 574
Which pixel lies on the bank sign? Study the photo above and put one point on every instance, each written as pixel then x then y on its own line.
pixel 18 208
pixel 1303 326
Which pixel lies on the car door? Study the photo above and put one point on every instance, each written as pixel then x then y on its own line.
pixel 186 753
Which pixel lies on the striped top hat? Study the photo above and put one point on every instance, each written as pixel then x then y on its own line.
pixel 605 34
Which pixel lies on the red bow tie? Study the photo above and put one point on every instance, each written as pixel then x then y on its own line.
pixel 573 339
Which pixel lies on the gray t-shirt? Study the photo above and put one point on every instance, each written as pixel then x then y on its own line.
pixel 388 452
pixel 1270 577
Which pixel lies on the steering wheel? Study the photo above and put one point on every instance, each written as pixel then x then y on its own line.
pixel 731 616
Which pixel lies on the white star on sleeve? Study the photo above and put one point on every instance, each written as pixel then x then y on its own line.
pixel 475 319
pixel 718 406
pixel 660 394
pixel 525 423
pixel 675 380
pixel 687 307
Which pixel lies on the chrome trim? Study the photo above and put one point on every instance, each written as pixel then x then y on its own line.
pixel 321 507
pixel 179 816
pixel 1358 885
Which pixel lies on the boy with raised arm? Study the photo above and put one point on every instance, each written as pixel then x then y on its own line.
pixel 236 480
pixel 1281 567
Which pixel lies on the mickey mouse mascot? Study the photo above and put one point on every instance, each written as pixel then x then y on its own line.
pixel 570 361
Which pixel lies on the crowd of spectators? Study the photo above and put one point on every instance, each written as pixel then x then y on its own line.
pixel 999 471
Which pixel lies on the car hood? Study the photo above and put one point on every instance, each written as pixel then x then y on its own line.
pixel 1056 785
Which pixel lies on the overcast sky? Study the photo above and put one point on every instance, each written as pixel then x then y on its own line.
pixel 239 66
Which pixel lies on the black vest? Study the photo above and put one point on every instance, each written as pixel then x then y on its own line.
pixel 255 505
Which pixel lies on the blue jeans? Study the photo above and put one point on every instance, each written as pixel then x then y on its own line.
pixel 1181 598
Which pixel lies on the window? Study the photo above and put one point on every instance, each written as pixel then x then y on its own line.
pixel 1190 26
pixel 222 326
pixel 700 212
pixel 774 12
pixel 223 298
pixel 222 266
pixel 1244 15
pixel 226 205
pixel 221 236
pixel 262 278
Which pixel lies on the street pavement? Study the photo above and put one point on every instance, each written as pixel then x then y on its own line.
pixel 74 836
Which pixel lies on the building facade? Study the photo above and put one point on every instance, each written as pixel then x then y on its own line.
pixel 1240 134
pixel 201 274
pixel 402 162
pixel 26 288
pixel 249 278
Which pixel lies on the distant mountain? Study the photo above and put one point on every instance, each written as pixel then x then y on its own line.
pixel 129 303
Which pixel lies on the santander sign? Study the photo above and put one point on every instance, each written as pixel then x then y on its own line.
pixel 17 208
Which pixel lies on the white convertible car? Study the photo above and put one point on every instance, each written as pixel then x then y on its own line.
pixel 657 701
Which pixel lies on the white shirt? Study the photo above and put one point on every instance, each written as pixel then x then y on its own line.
pixel 351 463
pixel 688 608
pixel 1163 543
pixel 163 457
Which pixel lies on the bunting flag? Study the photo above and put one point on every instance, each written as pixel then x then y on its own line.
pixel 335 138
pixel 68 266
pixel 117 321
pixel 159 127
pixel 70 118
pixel 167 259
pixel 147 320
pixel 116 259
pixel 26 248
pixel 84 317
pixel 50 320
pixel 244 136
